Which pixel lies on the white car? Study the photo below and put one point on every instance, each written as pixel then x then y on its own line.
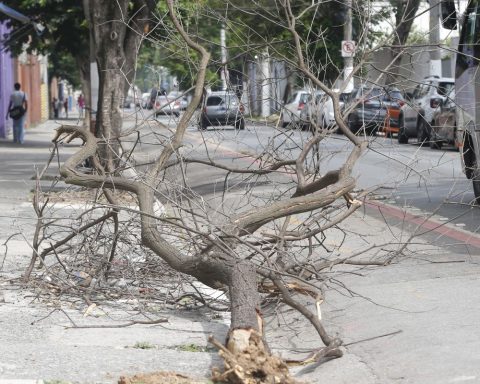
pixel 292 109
pixel 320 111
pixel 145 100
pixel 182 98
pixel 416 115
pixel 166 106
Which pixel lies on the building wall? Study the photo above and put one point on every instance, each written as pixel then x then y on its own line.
pixel 6 83
pixel 28 75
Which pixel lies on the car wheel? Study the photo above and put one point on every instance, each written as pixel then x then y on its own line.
pixel 402 134
pixel 240 124
pixel 203 125
pixel 422 132
pixel 352 125
pixel 372 130
pixel 283 123
pixel 434 142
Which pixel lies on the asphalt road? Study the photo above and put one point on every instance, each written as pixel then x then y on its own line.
pixel 424 182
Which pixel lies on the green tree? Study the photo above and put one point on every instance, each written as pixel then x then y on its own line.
pixel 65 37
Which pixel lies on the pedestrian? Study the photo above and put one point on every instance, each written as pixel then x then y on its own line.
pixel 65 105
pixel 17 108
pixel 81 105
pixel 55 108
pixel 59 107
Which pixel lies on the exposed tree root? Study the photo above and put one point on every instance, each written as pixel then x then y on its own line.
pixel 159 378
pixel 247 361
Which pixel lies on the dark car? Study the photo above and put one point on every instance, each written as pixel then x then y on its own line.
pixel 444 127
pixel 367 108
pixel 222 108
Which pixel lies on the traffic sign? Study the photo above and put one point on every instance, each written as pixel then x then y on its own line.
pixel 348 48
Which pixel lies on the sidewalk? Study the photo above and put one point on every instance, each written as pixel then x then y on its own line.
pixel 412 322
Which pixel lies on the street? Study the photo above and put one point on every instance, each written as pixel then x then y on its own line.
pixel 423 297
pixel 421 181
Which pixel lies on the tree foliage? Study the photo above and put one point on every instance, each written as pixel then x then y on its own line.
pixel 65 37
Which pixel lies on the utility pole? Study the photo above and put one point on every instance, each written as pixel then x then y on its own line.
pixel 434 39
pixel 347 37
pixel 223 54
pixel 266 84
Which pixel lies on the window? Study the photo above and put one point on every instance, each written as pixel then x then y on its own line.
pixel 214 100
pixel 421 90
pixel 304 98
pixel 469 46
pixel 444 89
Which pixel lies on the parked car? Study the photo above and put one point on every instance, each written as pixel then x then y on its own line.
pixel 132 98
pixel 444 127
pixel 146 100
pixel 367 108
pixel 165 106
pixel 181 97
pixel 319 110
pixel 222 108
pixel 294 106
pixel 416 115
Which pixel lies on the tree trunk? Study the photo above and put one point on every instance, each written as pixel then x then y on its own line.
pixel 246 357
pixel 404 17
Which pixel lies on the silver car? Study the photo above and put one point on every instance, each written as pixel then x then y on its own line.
pixel 222 108
pixel 180 97
pixel 416 115
pixel 165 106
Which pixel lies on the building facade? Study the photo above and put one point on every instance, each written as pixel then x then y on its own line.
pixel 31 72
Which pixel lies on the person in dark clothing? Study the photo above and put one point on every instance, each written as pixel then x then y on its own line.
pixel 65 105
pixel 55 108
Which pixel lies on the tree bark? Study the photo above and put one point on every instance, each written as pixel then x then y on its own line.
pixel 404 17
pixel 244 297
pixel 118 28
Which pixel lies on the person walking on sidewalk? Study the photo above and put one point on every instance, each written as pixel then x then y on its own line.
pixel 55 108
pixel 81 105
pixel 16 110
pixel 65 105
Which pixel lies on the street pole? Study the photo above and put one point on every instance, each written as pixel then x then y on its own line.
pixel 223 53
pixel 348 61
pixel 266 84
pixel 434 39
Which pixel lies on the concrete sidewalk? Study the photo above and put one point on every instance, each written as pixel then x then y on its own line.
pixel 412 322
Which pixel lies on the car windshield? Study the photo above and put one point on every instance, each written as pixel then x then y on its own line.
pixel 392 95
pixel 444 88
pixel 381 94
pixel 305 97
pixel 214 100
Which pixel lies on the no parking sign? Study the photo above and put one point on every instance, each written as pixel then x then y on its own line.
pixel 348 48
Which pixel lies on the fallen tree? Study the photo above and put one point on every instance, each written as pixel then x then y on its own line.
pixel 270 246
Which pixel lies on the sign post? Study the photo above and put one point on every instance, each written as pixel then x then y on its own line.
pixel 348 52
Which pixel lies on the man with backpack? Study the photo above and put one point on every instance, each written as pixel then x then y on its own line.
pixel 16 110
